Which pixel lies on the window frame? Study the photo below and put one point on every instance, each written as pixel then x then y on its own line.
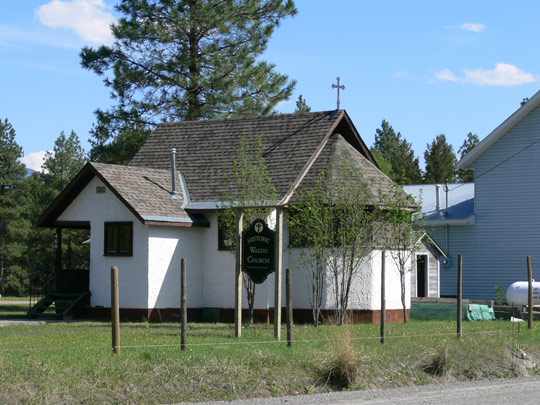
pixel 117 251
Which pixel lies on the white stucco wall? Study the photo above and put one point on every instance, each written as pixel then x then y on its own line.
pixel 166 247
pixel 218 269
pixel 132 271
pixel 151 277
pixel 366 288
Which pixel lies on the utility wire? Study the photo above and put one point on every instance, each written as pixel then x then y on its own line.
pixel 500 163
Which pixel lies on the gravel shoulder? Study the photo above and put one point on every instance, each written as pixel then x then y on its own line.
pixel 523 391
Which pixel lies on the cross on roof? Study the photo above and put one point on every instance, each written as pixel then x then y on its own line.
pixel 342 87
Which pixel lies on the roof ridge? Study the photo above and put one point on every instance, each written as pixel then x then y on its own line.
pixel 251 117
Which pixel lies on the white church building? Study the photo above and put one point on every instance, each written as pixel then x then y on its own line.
pixel 143 222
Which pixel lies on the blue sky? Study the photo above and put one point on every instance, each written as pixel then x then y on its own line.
pixel 426 67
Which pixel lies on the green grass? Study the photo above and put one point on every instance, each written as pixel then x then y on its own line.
pixel 72 362
pixel 24 299
pixel 9 311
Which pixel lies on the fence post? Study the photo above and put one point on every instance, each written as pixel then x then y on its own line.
pixel 383 296
pixel 289 308
pixel 459 297
pixel 531 302
pixel 115 310
pixel 183 309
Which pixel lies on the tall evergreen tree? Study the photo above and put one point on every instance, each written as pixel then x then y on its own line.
pixel 301 105
pixel 185 60
pixel 64 162
pixel 59 167
pixel 467 176
pixel 14 227
pixel 396 156
pixel 440 161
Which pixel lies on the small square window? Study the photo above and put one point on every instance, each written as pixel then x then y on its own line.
pixel 118 239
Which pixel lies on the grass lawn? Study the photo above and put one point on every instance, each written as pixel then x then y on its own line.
pixel 72 362
pixel 23 299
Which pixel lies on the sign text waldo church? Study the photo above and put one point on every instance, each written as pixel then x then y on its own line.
pixel 258 251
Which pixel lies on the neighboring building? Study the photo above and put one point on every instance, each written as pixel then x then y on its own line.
pixel 495 222
pixel 448 218
pixel 139 223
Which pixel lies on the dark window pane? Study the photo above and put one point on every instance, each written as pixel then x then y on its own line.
pixel 118 238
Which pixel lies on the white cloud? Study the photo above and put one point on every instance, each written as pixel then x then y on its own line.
pixel 89 19
pixel 446 74
pixel 472 27
pixel 504 74
pixel 401 75
pixel 34 160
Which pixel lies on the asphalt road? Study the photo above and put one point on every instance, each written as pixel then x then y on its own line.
pixel 522 391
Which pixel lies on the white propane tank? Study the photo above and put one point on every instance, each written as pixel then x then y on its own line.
pixel 518 293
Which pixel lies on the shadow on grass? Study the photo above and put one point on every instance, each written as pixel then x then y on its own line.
pixel 13 311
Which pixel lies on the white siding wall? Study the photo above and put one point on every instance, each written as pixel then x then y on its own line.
pixel 98 209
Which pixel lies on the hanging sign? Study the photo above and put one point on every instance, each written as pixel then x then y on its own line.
pixel 258 251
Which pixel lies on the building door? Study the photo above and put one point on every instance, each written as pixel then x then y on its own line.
pixel 421 275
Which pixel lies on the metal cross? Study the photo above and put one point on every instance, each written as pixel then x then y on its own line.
pixel 334 86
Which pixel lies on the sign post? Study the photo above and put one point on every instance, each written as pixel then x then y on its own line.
pixel 238 275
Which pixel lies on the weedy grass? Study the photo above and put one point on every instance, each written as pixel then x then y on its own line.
pixel 61 362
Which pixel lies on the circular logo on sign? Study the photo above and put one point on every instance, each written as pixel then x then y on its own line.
pixel 258 227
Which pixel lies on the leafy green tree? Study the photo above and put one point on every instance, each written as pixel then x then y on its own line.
pixel 396 156
pixel 402 233
pixel 186 60
pixel 334 224
pixel 467 176
pixel 440 161
pixel 14 227
pixel 301 105
pixel 249 184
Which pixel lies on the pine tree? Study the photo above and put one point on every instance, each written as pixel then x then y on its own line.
pixel 440 161
pixel 64 162
pixel 467 176
pixel 59 167
pixel 185 60
pixel 14 227
pixel 396 156
pixel 301 105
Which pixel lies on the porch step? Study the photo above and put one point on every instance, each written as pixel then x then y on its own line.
pixel 66 305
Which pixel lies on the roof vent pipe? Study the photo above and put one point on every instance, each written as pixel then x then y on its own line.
pixel 173 171
pixel 437 197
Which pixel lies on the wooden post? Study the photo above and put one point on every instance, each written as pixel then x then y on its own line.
pixel 383 296
pixel 183 307
pixel 115 310
pixel 58 246
pixel 238 274
pixel 531 290
pixel 459 297
pixel 277 279
pixel 289 308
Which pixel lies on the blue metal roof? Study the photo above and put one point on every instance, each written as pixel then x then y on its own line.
pixel 460 208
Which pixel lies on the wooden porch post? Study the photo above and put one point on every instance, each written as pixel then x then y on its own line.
pixel 58 247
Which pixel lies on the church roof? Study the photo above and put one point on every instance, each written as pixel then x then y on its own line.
pixel 296 148
pixel 292 144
